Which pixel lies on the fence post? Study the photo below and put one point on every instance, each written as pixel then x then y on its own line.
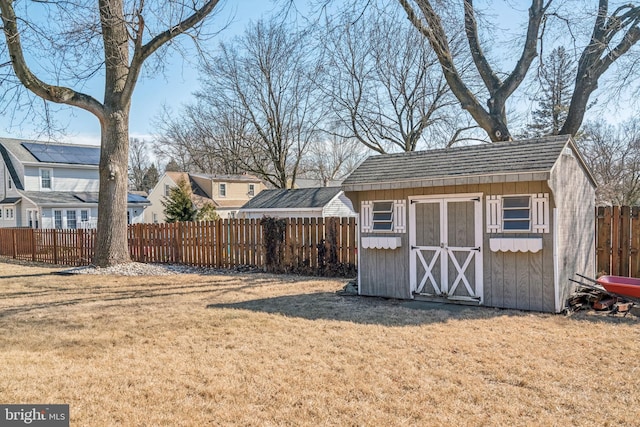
pixel 603 230
pixel 55 246
pixel 625 237
pixel 218 242
pixel 33 245
pixel 79 245
pixel 15 243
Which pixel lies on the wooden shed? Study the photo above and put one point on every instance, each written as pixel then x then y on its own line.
pixel 501 225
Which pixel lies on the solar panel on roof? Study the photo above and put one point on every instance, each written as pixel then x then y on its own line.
pixel 50 153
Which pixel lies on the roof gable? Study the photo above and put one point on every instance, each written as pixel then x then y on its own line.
pixel 526 157
pixel 301 198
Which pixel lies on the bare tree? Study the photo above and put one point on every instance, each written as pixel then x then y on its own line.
pixel 612 36
pixel 203 139
pixel 333 158
pixel 383 81
pixel 259 88
pixel 109 38
pixel 613 154
pixel 138 163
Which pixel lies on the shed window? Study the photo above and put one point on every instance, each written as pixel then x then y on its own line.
pixel 516 213
pixel 521 213
pixel 382 216
pixel 388 215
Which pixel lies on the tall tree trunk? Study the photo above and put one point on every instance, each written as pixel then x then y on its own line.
pixel 112 245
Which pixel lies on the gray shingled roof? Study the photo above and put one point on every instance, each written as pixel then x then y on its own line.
pixel 518 157
pixel 12 170
pixel 10 200
pixel 299 198
pixel 73 198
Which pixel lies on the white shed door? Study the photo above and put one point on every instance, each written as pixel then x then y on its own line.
pixel 446 247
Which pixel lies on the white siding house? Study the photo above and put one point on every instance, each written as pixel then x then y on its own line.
pixel 319 202
pixel 52 185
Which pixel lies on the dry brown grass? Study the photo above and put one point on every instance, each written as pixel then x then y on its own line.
pixel 277 350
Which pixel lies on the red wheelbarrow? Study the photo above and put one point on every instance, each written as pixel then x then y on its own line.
pixel 618 286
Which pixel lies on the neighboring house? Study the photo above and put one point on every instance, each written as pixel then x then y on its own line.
pixel 51 185
pixel 299 203
pixel 226 192
pixel 503 224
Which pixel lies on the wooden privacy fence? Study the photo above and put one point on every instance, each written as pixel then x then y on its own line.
pixel 319 246
pixel 618 240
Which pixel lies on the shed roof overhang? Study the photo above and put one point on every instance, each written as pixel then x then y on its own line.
pixel 449 180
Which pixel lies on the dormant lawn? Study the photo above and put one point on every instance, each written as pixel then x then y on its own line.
pixel 193 350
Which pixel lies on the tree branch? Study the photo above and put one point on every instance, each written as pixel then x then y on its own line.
pixel 58 94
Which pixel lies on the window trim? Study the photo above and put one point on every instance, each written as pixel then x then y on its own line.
pixel 222 193
pixel 50 187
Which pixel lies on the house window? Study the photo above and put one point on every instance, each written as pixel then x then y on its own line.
pixel 0 212
pixel 128 217
pixel 167 190
pixel 45 179
pixel 155 218
pixel 84 215
pixel 223 190
pixel 9 183
pixel 32 218
pixel 71 220
pixel 252 190
pixel 57 219
pixel 8 213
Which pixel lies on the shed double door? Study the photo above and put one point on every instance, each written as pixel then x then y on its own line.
pixel 446 247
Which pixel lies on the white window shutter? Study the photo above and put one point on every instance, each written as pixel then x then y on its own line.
pixel 366 217
pixel 494 214
pixel 399 216
pixel 540 213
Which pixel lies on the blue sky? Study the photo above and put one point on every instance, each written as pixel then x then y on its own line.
pixel 174 88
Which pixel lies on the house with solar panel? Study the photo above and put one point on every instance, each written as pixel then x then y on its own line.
pixel 52 185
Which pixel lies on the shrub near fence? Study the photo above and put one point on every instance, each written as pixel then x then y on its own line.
pixel 306 245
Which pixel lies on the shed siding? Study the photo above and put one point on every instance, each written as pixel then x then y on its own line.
pixel 511 280
pixel 576 224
